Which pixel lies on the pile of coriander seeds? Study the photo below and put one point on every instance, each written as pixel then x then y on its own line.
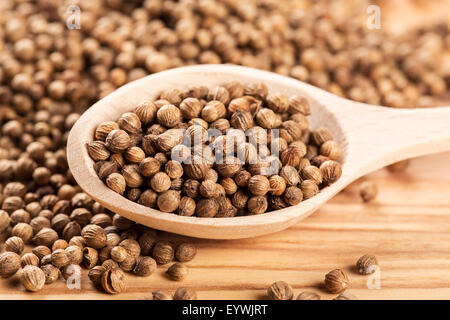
pixel 90 237
pixel 225 151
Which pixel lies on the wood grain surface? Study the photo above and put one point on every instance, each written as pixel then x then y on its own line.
pixel 407 228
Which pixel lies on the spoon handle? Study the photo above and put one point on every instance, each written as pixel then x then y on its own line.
pixel 381 136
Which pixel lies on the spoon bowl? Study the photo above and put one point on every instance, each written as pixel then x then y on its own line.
pixel 370 137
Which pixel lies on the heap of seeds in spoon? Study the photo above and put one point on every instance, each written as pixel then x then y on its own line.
pixel 227 151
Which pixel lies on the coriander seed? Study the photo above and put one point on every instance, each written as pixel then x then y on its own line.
pixel 280 290
pixel 185 294
pixel 185 252
pixel 116 182
pixel 163 252
pixel 51 273
pixel 9 264
pixel 32 278
pixel 14 244
pixel 308 295
pixel 160 182
pixel 258 185
pixel 113 281
pixel 118 253
pixel 168 201
pixel 145 266
pixel 161 295
pixel 117 140
pixel 346 296
pixel 368 191
pixel 90 257
pixel 367 264
pixel 59 258
pixel 177 271
pixel 257 204
pixel 187 206
pixel 95 274
pixel 277 185
pixel 336 281
pixel 94 236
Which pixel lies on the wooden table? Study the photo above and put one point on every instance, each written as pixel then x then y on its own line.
pixel 407 228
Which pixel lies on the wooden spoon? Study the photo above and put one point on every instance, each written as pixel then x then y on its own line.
pixel 371 137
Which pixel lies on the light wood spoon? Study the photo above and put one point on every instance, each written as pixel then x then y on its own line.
pixel 371 137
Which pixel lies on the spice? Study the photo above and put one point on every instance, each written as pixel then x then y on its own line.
pixel 104 128
pixel 185 252
pixel 109 264
pixel 293 196
pixel 90 257
pixel 59 244
pixel 32 278
pixel 118 253
pixel 187 206
pixel 368 191
pixel 257 204
pixel 280 290
pixel 116 182
pixel 45 237
pixel 128 264
pixel 74 254
pixel 161 295
pixel 9 264
pixel 117 140
pixel 4 220
pixel 192 182
pixel 163 252
pixel 131 246
pixel 309 189
pixel 130 122
pixel 113 281
pixel 398 166
pixel 331 150
pixel 41 251
pixel 51 273
pixel 94 236
pixel 312 173
pixel 367 264
pixel 145 266
pixel 146 242
pixel 95 274
pixel 59 258
pixel 331 171
pixel 23 230
pixel 290 175
pixel 185 294
pixel 346 296
pixel 177 271
pixel 207 208
pixel 320 136
pixel 14 244
pixel 168 115
pixel 258 185
pixel 168 201
pixel 308 295
pixel 208 189
pixel 336 281
pixel 97 151
pixel 29 259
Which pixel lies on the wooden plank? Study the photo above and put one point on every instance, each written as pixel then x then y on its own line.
pixel 407 228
